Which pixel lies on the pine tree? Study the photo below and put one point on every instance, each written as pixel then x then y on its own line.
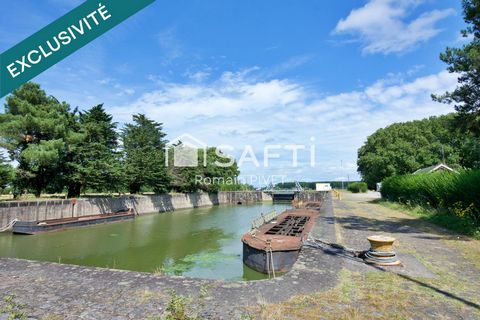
pixel 465 62
pixel 6 174
pixel 93 160
pixel 33 129
pixel 144 148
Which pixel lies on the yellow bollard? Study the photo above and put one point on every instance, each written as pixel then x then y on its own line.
pixel 337 194
pixel 381 251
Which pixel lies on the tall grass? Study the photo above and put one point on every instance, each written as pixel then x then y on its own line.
pixel 456 194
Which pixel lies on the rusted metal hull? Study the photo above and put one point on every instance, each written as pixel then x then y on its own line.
pixel 279 240
pixel 34 227
pixel 259 260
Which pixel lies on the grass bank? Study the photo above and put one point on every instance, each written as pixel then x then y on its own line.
pixel 440 217
pixel 370 295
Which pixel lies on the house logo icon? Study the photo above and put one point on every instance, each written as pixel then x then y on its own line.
pixel 185 150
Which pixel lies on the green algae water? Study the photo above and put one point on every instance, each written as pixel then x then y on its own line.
pixel 202 242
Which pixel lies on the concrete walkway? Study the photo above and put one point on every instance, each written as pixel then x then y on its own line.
pixel 433 258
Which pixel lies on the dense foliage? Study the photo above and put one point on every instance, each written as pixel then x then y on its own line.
pixel 457 193
pixel 93 162
pixel 208 175
pixel 57 149
pixel 403 148
pixel 6 174
pixel 465 62
pixel 358 187
pixel 144 146
pixel 33 131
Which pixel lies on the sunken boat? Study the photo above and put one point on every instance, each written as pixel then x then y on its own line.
pixel 34 227
pixel 274 243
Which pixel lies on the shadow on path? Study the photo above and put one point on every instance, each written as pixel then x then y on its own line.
pixel 392 225
pixel 346 255
pixel 442 292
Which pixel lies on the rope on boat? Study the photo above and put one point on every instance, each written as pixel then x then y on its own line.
pixel 270 265
pixel 269 253
pixel 8 226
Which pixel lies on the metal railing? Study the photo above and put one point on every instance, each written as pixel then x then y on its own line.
pixel 258 222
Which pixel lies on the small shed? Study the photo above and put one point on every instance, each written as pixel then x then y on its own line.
pixel 435 168
pixel 323 187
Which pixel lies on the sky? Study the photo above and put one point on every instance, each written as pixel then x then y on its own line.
pixel 249 74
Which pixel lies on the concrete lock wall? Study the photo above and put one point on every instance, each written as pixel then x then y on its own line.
pixel 57 209
pixel 311 196
pixel 235 197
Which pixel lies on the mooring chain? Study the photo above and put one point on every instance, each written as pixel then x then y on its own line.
pixel 316 243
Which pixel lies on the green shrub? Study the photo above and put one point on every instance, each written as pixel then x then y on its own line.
pixel 177 308
pixel 457 193
pixel 358 187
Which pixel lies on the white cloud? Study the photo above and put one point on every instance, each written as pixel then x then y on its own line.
pixel 171 47
pixel 384 26
pixel 292 63
pixel 230 95
pixel 237 110
pixel 199 76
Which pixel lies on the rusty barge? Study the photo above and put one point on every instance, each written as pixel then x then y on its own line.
pixel 274 245
pixel 34 227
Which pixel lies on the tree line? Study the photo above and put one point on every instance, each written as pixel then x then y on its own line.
pixel 53 149
pixel 402 148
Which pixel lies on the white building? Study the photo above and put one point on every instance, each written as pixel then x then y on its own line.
pixel 323 187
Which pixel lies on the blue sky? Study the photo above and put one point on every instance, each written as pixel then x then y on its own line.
pixel 260 72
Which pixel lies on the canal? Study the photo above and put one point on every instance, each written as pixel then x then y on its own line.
pixel 202 242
